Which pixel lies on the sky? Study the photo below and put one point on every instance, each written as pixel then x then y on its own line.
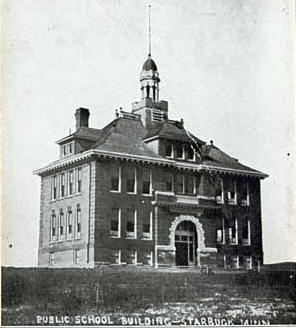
pixel 226 68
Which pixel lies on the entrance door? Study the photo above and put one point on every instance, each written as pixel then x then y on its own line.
pixel 185 243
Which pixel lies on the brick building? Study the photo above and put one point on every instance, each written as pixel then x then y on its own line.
pixel 145 191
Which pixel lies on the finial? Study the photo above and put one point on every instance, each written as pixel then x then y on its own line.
pixel 149 9
pixel 116 112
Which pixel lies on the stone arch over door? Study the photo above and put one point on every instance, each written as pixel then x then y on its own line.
pixel 199 230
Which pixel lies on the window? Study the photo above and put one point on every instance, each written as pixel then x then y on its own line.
pixel 131 180
pixel 146 183
pixel 246 231
pixel 70 223
pixel 62 225
pixel 231 192
pixel 54 187
pixel 62 182
pixel 190 152
pixel 131 224
pixel 70 187
pixel 221 232
pixel 79 179
pixel 232 231
pixel 147 226
pixel 189 185
pixel 76 256
pixel 132 257
pixel 64 151
pixel 247 262
pixel 70 148
pixel 180 152
pixel 51 259
pixel 180 184
pixel 244 194
pixel 53 228
pixel 78 222
pixel 147 259
pixel 219 236
pixel 166 182
pixel 157 115
pixel 219 191
pixel 169 151
pixel 115 178
pixel 116 257
pixel 115 222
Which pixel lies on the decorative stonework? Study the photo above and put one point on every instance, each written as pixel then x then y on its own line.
pixel 199 229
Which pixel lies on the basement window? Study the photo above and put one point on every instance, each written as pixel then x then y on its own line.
pixel 131 257
pixel 147 258
pixel 51 259
pixel 76 256
pixel 116 257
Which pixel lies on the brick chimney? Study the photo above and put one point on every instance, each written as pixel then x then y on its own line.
pixel 82 116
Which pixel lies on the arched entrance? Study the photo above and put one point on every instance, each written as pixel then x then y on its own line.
pixel 186 243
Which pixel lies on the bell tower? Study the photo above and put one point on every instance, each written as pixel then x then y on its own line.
pixel 150 108
pixel 149 79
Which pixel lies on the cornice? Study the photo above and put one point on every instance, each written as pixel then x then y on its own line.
pixel 142 159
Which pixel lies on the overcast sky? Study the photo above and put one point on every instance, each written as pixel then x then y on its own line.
pixel 226 68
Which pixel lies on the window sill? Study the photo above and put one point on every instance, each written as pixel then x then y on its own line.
pixel 65 197
pixel 147 195
pixel 115 191
pixel 131 193
pixel 233 244
pixel 130 237
pixel 146 238
pixel 244 204
pixel 115 237
pixel 232 203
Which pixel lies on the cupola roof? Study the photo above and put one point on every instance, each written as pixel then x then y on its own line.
pixel 149 64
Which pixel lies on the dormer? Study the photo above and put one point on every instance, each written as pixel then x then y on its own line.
pixel 82 139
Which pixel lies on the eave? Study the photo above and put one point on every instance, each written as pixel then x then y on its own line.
pixel 63 163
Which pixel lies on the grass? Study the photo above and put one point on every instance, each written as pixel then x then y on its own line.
pixel 146 294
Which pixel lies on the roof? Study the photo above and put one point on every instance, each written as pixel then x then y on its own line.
pixel 126 137
pixel 215 157
pixel 172 130
pixel 83 133
pixel 149 64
